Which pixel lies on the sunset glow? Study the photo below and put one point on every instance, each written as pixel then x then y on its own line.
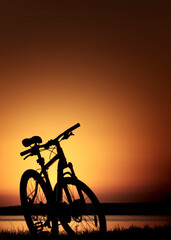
pixel 97 64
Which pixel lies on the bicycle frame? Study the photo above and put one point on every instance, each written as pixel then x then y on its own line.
pixel 63 204
pixel 62 164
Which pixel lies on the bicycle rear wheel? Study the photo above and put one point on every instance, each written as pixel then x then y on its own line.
pixel 34 198
pixel 87 218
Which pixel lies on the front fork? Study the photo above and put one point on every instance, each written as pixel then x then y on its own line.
pixel 62 164
pixel 80 194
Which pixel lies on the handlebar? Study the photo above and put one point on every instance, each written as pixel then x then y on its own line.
pixel 68 131
pixel 25 152
pixel 65 135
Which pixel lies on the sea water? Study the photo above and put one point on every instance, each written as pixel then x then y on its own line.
pixel 17 223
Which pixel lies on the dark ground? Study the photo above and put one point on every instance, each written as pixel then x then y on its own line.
pixel 130 233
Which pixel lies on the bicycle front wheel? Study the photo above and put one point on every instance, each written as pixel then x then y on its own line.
pixel 85 217
pixel 34 198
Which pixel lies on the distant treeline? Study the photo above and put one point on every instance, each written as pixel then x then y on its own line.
pixel 157 208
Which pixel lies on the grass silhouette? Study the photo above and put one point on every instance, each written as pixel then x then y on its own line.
pixel 132 232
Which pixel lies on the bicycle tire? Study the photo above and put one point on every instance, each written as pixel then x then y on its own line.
pixel 88 222
pixel 33 201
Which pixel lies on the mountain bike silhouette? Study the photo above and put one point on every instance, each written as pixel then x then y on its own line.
pixel 71 204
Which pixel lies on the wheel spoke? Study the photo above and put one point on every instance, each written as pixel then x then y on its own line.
pixel 86 222
pixel 34 198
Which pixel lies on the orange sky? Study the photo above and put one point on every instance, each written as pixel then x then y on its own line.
pixel 101 63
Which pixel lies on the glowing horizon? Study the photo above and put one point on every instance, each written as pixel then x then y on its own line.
pixel 102 65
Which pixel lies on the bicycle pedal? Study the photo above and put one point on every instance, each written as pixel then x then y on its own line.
pixel 95 220
pixel 77 207
pixel 39 226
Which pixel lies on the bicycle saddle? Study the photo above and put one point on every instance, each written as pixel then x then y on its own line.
pixel 28 141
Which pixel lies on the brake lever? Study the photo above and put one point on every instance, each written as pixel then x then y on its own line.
pixel 67 136
pixel 27 156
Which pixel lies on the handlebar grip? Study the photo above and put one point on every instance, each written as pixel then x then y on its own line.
pixel 73 127
pixel 68 131
pixel 25 152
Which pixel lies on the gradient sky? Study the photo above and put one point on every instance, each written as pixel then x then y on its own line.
pixel 105 64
